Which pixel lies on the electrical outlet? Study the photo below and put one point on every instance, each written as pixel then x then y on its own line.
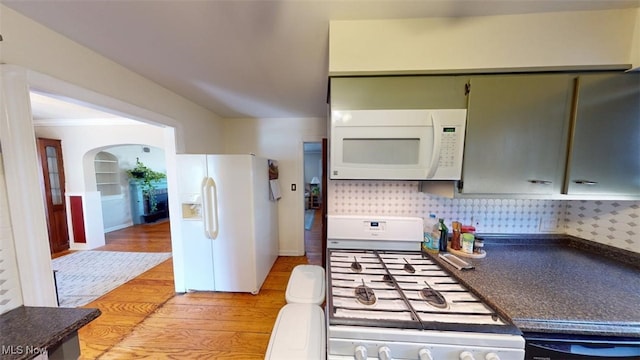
pixel 478 223
pixel 548 225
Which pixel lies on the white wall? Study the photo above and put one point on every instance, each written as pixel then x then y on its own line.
pixel 587 38
pixel 35 47
pixel 116 212
pixel 81 143
pixel 635 43
pixel 282 140
pixel 154 159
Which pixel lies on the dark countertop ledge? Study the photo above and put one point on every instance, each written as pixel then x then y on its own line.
pixel 25 331
pixel 557 284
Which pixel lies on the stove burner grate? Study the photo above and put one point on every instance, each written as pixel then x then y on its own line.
pixel 385 294
pixel 387 279
pixel 408 267
pixel 355 265
pixel 365 294
pixel 433 297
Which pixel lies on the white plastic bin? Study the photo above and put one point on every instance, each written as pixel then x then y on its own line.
pixel 306 285
pixel 298 334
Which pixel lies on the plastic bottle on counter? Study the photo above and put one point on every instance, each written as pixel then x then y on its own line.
pixel 431 240
pixel 444 235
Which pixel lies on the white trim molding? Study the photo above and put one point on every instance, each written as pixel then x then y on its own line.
pixel 28 217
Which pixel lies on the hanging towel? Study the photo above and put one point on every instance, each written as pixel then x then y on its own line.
pixel 274 185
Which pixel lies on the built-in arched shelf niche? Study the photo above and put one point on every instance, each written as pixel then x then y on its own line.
pixel 107 174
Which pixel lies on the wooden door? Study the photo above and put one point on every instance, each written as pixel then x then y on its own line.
pixel 52 181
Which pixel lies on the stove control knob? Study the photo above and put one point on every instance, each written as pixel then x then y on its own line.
pixel 384 353
pixel 361 353
pixel 425 354
pixel 466 355
pixel 492 356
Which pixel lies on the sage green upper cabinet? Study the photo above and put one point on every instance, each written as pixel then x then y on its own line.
pixel 517 132
pixel 605 150
pixel 398 92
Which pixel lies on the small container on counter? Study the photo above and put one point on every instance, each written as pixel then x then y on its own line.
pixel 467 242
pixel 478 244
pixel 471 230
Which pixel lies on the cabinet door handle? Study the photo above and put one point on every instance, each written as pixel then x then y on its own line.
pixel 585 182
pixel 541 182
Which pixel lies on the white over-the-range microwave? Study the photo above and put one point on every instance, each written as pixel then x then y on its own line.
pixel 416 144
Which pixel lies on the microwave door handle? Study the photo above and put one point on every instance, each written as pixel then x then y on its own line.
pixel 435 151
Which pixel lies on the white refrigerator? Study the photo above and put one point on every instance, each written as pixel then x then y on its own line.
pixel 228 222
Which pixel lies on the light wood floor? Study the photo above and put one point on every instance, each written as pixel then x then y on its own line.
pixel 145 319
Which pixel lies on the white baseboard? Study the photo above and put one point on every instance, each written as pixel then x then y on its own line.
pixel 118 227
pixel 78 246
pixel 290 253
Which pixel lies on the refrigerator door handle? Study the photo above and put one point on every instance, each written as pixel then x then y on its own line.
pixel 210 205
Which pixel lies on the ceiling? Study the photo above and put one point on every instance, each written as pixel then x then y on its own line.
pixel 251 58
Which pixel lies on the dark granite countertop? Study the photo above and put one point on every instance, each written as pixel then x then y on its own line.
pixel 558 285
pixel 26 331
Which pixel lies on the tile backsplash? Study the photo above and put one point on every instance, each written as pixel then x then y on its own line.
pixel 615 223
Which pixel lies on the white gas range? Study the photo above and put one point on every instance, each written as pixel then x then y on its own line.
pixel 386 300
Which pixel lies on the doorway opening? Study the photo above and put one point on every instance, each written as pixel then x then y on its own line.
pixel 100 151
pixel 100 148
pixel 313 204
pixel 123 223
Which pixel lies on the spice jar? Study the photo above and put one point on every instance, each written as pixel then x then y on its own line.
pixel 478 244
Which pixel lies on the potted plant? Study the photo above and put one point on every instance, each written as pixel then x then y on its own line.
pixel 146 177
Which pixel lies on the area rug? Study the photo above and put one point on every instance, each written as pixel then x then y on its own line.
pixel 84 276
pixel 308 219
